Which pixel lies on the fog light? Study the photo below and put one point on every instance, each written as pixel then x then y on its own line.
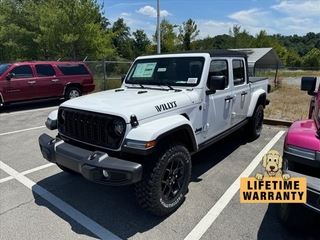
pixel 105 173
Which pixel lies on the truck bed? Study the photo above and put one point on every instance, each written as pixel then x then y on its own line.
pixel 256 79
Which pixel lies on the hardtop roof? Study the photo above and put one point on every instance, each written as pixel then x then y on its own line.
pixel 213 53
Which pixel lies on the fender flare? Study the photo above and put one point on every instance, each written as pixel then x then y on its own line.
pixel 258 96
pixel 161 128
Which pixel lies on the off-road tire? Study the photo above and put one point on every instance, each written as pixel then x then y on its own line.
pixel 67 170
pixel 72 92
pixel 295 216
pixel 165 179
pixel 254 126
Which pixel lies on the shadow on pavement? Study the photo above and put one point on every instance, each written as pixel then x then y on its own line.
pixel 31 105
pixel 272 228
pixel 114 208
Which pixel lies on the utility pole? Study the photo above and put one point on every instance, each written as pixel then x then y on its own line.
pixel 158 27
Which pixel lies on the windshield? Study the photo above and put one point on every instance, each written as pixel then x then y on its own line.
pixel 3 68
pixel 175 71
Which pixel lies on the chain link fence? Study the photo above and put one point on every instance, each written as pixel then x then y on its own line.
pixel 107 74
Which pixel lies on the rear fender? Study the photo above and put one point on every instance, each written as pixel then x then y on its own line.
pixel 258 97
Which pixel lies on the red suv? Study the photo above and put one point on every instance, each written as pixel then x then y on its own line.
pixel 35 80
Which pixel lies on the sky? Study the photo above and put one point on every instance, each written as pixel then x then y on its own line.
pixel 215 17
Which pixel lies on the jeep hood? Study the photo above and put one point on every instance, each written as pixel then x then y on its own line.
pixel 143 103
pixel 303 134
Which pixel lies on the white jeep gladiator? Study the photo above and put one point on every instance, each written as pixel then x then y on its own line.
pixel 168 107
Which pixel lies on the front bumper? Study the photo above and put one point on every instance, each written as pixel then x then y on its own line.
pixel 313 191
pixel 315 163
pixel 90 164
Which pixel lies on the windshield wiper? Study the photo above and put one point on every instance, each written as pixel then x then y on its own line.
pixel 136 82
pixel 165 82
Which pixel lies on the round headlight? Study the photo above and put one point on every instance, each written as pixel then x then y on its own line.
pixel 62 117
pixel 63 114
pixel 119 126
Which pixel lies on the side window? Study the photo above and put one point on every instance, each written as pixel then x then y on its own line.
pixel 45 70
pixel 219 68
pixel 238 72
pixel 73 69
pixel 22 72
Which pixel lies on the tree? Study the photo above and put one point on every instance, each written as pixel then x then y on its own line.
pixel 292 58
pixel 37 29
pixel 262 40
pixel 121 39
pixel 206 43
pixel 312 59
pixel 223 42
pixel 187 33
pixel 141 42
pixel 240 39
pixel 168 36
pixel 16 35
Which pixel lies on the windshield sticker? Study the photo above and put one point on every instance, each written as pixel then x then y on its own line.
pixel 162 69
pixel 192 80
pixel 144 70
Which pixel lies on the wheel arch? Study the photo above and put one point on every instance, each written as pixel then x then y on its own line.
pixel 182 134
pixel 258 98
pixel 72 84
pixel 177 128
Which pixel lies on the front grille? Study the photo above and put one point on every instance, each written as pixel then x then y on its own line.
pixel 89 127
pixel 313 199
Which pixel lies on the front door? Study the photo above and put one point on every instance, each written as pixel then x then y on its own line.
pixel 22 86
pixel 218 106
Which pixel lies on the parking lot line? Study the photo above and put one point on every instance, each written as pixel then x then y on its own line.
pixel 204 224
pixel 28 111
pixel 86 222
pixel 23 130
pixel 28 171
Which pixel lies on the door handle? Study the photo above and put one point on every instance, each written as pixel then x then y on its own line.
pixel 228 98
pixel 55 80
pixel 244 93
pixel 31 82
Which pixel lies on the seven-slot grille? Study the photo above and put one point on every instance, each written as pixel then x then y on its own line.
pixel 88 127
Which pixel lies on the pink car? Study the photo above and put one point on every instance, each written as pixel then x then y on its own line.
pixel 302 153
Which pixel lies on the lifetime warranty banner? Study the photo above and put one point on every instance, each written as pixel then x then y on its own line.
pixel 273 190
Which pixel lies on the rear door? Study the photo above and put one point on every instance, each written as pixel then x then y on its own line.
pixel 49 84
pixel 22 86
pixel 241 93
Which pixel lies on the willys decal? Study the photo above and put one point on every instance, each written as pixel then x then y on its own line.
pixel 166 106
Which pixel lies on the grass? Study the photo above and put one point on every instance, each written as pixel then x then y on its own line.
pixel 288 102
pixel 111 84
pixel 289 73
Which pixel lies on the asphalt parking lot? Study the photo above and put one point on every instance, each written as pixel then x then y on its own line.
pixel 39 201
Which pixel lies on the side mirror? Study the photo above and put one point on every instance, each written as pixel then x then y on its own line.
pixel 313 94
pixel 309 84
pixel 216 83
pixel 9 76
pixel 123 78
